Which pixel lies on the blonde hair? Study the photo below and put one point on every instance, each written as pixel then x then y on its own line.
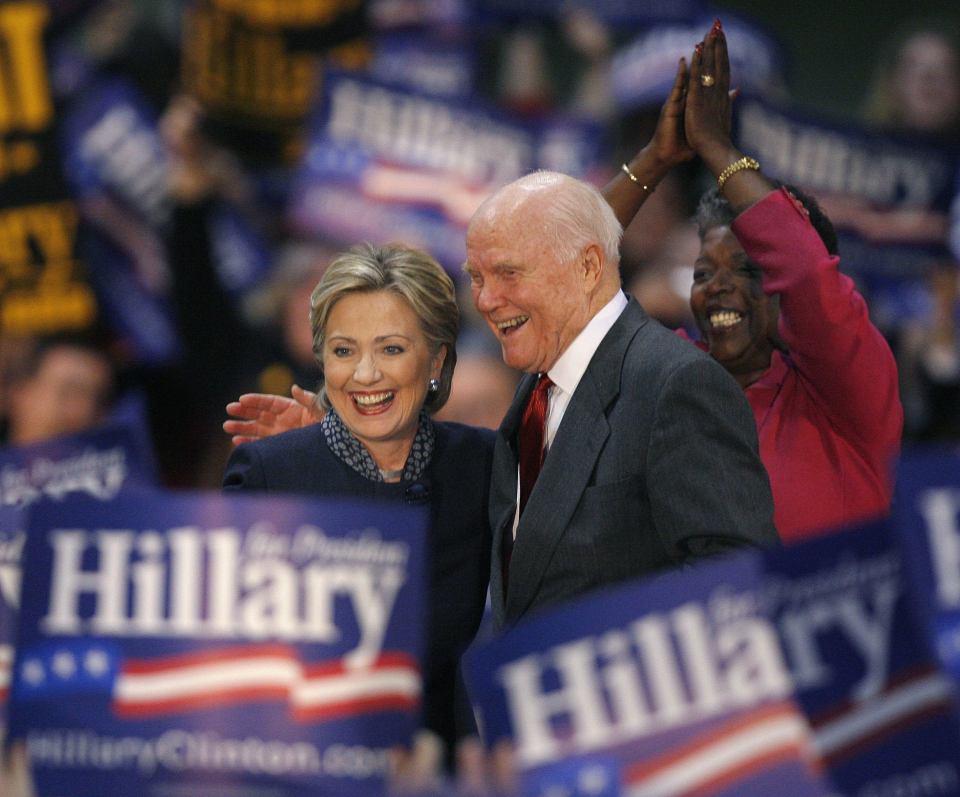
pixel 409 273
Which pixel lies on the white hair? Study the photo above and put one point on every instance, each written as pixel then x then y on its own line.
pixel 575 213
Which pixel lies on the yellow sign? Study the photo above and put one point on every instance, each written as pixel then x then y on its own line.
pixel 289 13
pixel 39 290
pixel 25 104
pixel 232 67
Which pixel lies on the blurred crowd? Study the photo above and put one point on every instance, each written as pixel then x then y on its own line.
pixel 176 149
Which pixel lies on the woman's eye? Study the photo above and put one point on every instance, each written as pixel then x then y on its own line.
pixel 341 351
pixel 393 349
pixel 699 275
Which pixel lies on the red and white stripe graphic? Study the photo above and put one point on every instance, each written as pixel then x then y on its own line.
pixel 6 668
pixel 265 673
pixel 411 186
pixel 907 700
pixel 736 750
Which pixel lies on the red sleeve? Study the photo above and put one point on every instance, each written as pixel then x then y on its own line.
pixel 823 320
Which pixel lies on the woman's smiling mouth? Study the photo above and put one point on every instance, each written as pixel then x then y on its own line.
pixel 724 319
pixel 372 403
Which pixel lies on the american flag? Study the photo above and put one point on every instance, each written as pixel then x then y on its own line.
pixel 143 688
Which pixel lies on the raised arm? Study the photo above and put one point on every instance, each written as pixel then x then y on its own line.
pixel 649 166
pixel 257 415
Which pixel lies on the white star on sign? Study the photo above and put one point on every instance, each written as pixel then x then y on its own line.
pixel 64 664
pixel 592 780
pixel 33 672
pixel 96 662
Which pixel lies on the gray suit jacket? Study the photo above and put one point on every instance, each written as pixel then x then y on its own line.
pixel 655 464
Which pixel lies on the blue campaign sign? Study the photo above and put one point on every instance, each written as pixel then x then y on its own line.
pixel 387 163
pixel 200 644
pixel 98 464
pixel 881 710
pixel 888 196
pixel 111 143
pixel 675 685
pixel 12 537
pixel 442 65
pixel 927 509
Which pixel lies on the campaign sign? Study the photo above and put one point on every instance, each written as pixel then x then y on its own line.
pixel 12 537
pixel 670 686
pixel 928 524
pixel 887 196
pixel 210 644
pixel 444 66
pixel 98 464
pixel 884 715
pixel 387 163
pixel 111 144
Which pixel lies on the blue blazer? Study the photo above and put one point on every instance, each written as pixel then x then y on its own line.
pixel 655 464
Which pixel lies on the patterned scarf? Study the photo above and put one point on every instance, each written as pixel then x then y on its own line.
pixel 352 452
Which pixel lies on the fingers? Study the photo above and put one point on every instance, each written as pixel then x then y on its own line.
pixel 679 82
pixel 238 410
pixel 258 401
pixel 696 69
pixel 305 398
pixel 233 426
pixel 416 771
pixel 721 58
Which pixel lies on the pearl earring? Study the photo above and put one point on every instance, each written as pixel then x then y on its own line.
pixel 433 385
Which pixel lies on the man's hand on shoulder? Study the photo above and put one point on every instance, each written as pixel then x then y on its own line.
pixel 256 415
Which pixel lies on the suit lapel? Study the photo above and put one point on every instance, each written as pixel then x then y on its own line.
pixel 503 489
pixel 569 463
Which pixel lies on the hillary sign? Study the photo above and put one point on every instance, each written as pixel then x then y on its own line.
pixel 794 671
pixel 928 506
pixel 673 686
pixel 388 163
pixel 206 643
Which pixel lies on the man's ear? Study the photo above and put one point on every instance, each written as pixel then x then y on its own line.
pixel 591 264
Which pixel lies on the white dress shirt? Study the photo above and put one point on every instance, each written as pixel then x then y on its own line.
pixel 569 369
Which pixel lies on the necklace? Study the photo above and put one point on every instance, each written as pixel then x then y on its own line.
pixel 390 475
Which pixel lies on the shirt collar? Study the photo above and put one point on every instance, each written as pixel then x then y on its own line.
pixel 570 367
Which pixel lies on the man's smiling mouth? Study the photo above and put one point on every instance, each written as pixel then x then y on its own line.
pixel 505 327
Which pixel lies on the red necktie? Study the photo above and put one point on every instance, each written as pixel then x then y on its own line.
pixel 531 458
pixel 531 438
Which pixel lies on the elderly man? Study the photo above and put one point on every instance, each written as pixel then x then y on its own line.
pixel 626 451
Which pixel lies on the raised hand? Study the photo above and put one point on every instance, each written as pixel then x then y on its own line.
pixel 669 143
pixel 666 149
pixel 706 121
pixel 257 415
pixel 709 104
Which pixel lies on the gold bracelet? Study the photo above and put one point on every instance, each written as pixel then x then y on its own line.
pixel 746 162
pixel 633 178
